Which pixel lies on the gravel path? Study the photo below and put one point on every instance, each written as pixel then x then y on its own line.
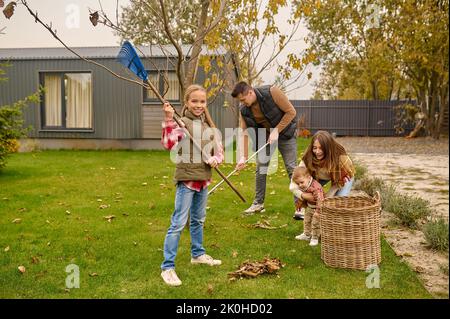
pixel 401 145
pixel 418 167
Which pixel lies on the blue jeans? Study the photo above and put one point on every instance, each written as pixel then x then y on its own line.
pixel 185 200
pixel 288 150
pixel 344 191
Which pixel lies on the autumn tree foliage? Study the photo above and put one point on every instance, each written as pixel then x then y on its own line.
pixel 390 49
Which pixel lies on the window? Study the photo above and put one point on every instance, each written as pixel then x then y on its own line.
pixel 171 84
pixel 67 102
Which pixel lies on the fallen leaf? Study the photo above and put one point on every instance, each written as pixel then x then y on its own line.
pixel 103 206
pixel 145 184
pixel 272 193
pixel 23 209
pixel 67 212
pixel 234 254
pixel 17 221
pixel 265 225
pixel 210 289
pixel 7 249
pixel 94 274
pixel 21 269
pixel 109 218
pixel 99 200
pixel 34 260
pixel 9 9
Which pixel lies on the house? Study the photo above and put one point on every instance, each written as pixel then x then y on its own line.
pixel 86 107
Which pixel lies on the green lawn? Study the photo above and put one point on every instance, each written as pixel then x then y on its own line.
pixel 58 194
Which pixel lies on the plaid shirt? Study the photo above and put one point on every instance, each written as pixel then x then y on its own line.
pixel 316 189
pixel 171 135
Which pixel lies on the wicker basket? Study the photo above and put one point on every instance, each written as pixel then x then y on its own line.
pixel 350 230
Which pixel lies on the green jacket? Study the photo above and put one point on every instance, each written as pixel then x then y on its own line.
pixel 186 169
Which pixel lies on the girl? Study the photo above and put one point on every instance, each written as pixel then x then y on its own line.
pixel 327 161
pixel 192 178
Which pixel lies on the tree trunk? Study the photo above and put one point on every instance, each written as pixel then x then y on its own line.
pixel 443 107
pixel 433 101
pixel 374 90
pixel 191 72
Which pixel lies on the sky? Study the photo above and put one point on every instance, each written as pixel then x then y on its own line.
pixel 71 20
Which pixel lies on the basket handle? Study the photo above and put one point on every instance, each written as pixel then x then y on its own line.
pixel 377 197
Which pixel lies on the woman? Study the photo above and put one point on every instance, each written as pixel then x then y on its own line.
pixel 327 161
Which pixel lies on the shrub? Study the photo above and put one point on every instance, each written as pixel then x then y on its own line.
pixel 305 133
pixel 11 126
pixel 408 209
pixel 444 269
pixel 436 234
pixel 404 116
pixel 370 185
pixel 361 171
pixel 387 195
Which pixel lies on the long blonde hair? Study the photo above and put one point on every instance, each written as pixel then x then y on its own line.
pixel 187 93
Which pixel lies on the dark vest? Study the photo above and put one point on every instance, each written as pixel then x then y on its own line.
pixel 190 171
pixel 271 112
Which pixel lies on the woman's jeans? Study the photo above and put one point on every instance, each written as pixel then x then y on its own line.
pixel 185 200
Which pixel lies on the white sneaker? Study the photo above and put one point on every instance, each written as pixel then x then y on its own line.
pixel 314 242
pixel 206 259
pixel 255 208
pixel 303 236
pixel 170 277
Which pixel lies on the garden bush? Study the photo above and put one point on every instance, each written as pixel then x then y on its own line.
pixel 436 234
pixel 409 210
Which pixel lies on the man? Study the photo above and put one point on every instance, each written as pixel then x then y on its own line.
pixel 269 109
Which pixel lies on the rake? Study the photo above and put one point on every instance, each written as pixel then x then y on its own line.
pixel 129 58
pixel 229 175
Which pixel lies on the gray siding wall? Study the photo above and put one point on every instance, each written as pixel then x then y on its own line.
pixel 116 103
pixel 118 110
pixel 349 117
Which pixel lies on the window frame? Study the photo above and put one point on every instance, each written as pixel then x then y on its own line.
pixel 47 128
pixel 155 100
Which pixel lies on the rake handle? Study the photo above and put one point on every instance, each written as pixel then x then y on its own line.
pixel 235 170
pixel 180 124
pixel 217 170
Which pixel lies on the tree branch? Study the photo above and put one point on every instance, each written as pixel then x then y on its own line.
pixel 53 33
pixel 180 72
